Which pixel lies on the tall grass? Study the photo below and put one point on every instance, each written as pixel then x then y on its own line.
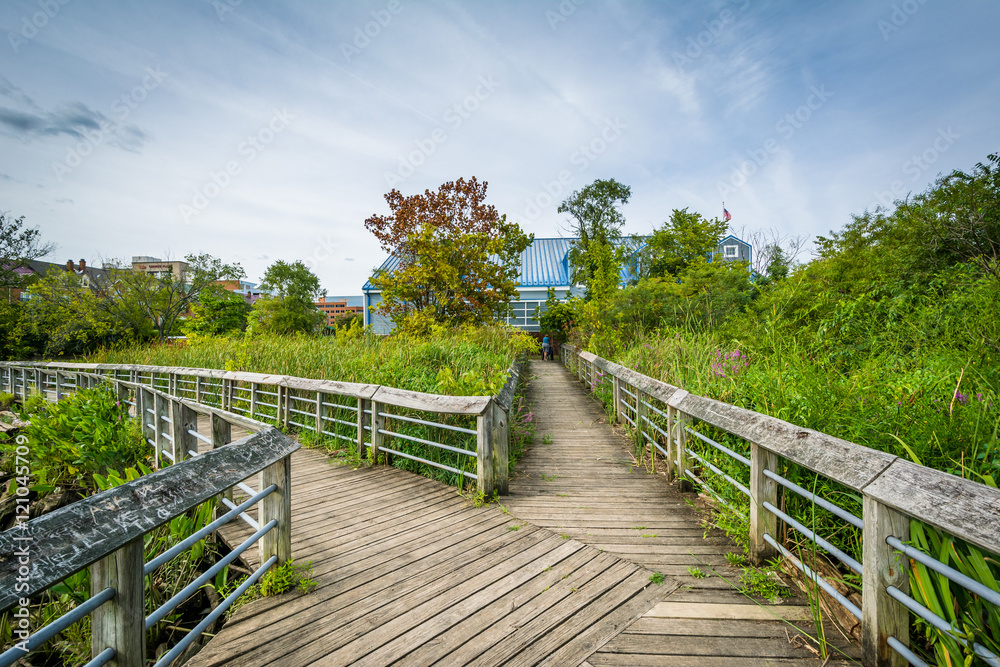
pixel 474 360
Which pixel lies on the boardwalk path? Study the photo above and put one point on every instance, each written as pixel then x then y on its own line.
pixel 410 573
pixel 583 485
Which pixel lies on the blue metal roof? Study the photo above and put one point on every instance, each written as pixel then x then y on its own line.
pixel 544 263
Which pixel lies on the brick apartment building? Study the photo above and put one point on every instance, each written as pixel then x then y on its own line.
pixel 334 306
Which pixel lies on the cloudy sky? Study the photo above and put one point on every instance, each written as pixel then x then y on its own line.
pixel 258 131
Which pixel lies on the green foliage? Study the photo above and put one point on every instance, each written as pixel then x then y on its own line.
pixel 559 317
pixel 75 442
pixel 458 258
pixel 145 303
pixel 971 618
pixel 218 312
pixel 657 578
pixel 681 241
pixel 889 339
pixel 17 247
pixel 403 361
pixel 66 317
pixel 596 258
pixel 696 572
pixel 292 306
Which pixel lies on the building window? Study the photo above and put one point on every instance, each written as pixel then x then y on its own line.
pixel 731 251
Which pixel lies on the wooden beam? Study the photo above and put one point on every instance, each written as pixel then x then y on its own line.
pixel 762 489
pixel 119 623
pixel 881 616
pixel 484 454
pixel 277 506
pixel 501 449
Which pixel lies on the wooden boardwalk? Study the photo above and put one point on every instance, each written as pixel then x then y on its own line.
pixel 580 480
pixel 410 573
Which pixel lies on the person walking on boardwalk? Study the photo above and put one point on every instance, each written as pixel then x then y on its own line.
pixel 546 348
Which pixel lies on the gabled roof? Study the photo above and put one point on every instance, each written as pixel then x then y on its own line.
pixel 544 263
pixel 734 238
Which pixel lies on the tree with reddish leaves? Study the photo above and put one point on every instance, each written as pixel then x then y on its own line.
pixel 459 259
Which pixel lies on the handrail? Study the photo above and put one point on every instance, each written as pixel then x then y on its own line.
pixel 242 392
pixel 105 531
pixel 893 490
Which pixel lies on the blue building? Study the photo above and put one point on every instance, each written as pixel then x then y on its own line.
pixel 544 264
pixel 732 249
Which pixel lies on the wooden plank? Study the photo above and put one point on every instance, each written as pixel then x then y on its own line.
pixel 416 400
pixel 966 509
pixel 739 612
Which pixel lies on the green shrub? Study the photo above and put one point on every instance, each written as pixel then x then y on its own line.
pixel 88 433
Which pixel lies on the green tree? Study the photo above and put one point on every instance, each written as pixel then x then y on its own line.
pixel 291 308
pixel 596 257
pixel 219 312
pixel 139 300
pixel 17 247
pixel 459 259
pixel 559 317
pixel 66 317
pixel 683 239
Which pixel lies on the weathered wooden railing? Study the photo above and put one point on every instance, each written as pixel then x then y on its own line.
pixel 105 532
pixel 894 491
pixel 363 414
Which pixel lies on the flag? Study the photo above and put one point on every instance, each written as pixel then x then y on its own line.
pixel 725 215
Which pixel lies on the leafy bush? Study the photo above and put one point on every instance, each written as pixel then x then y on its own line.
pixel 88 433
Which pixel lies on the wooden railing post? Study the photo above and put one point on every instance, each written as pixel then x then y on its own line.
pixel 161 407
pixel 484 453
pixel 183 420
pixel 363 420
pixel 320 412
pixel 762 489
pixel 254 398
pixel 278 506
pixel 377 424
pixel 172 384
pixel 222 435
pixel 284 403
pixel 58 386
pixel 684 484
pixel 881 616
pixel 641 414
pixel 144 402
pixel 616 397
pixel 120 622
pixel 501 448
pixel 197 389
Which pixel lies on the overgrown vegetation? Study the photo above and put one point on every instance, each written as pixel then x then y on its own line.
pixel 890 338
pixel 460 361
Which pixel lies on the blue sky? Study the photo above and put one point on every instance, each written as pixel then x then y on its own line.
pixel 258 131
